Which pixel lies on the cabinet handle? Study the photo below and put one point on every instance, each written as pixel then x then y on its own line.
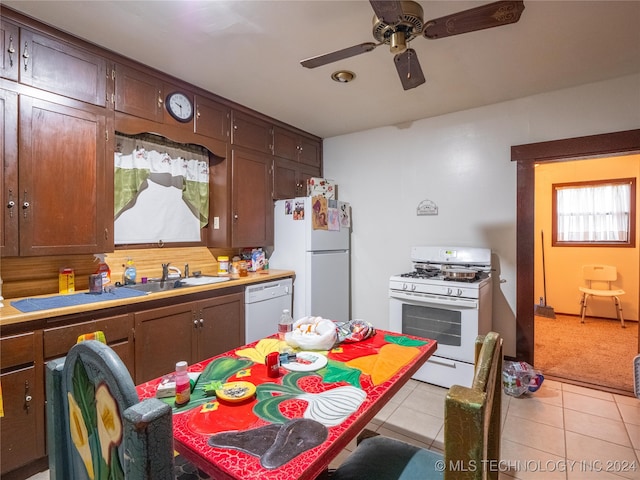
pixel 11 203
pixel 25 55
pixel 11 50
pixel 25 205
pixel 195 323
pixel 201 322
pixel 27 397
pixel 160 102
pixel 235 216
pixel 198 113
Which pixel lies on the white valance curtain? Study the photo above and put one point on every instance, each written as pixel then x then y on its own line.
pixel 594 214
pixel 161 192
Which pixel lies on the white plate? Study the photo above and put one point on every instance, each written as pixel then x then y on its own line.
pixel 310 361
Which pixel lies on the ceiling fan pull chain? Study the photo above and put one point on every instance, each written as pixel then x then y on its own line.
pixel 409 64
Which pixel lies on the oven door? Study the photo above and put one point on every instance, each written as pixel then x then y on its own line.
pixel 452 321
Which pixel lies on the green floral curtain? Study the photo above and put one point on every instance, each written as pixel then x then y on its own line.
pixel 139 160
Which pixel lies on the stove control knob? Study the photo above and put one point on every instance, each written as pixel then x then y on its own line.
pixel 459 292
pixel 413 288
pixel 404 286
pixel 449 291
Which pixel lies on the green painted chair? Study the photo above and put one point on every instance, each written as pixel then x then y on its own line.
pixel 471 433
pixel 97 427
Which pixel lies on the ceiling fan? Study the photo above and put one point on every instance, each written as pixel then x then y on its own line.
pixel 396 23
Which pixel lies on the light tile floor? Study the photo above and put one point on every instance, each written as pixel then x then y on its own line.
pixel 560 432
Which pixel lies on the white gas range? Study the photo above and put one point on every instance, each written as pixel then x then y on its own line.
pixel 446 297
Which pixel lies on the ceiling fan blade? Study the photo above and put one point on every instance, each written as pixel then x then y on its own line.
pixel 409 69
pixel 390 12
pixel 491 15
pixel 320 60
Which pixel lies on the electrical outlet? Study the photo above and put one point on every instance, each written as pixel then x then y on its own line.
pixel 216 223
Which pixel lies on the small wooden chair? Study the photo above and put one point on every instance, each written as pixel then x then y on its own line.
pixel 599 279
pixel 471 433
pixel 96 422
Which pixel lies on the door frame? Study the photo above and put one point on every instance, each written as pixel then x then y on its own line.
pixel 526 156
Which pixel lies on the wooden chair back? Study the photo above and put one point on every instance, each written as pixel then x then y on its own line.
pixel 473 417
pixel 96 425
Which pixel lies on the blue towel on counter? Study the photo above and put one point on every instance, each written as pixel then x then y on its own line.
pixel 59 301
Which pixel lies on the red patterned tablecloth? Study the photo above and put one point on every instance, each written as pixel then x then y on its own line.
pixel 337 400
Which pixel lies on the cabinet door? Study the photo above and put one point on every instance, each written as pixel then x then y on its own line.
pixel 10 43
pixel 304 174
pixel 221 325
pixel 251 204
pixel 63 180
pixel 22 427
pixel 251 132
pixel 285 175
pixel 139 93
pixel 9 169
pixel 58 67
pixel 18 426
pixel 212 119
pixel 309 152
pixel 285 144
pixel 164 336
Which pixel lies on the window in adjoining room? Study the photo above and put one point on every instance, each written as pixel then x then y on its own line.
pixel 594 213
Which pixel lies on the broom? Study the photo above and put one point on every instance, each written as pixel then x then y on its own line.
pixel 544 310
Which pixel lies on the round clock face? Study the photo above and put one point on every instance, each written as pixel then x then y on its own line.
pixel 179 106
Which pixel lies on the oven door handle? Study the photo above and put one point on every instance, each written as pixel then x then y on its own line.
pixel 442 361
pixel 423 298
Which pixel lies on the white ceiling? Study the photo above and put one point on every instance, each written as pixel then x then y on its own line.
pixel 249 52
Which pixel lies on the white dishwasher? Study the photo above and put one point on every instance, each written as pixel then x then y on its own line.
pixel 263 307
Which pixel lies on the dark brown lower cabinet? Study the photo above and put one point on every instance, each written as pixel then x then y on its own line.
pixel 22 426
pixel 190 331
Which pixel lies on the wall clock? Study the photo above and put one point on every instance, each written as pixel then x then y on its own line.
pixel 179 106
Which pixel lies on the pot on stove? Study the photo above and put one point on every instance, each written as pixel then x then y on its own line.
pixel 459 273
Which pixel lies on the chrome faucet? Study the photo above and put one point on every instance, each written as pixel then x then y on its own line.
pixel 186 270
pixel 165 272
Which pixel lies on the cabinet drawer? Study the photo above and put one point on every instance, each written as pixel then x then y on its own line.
pixel 116 329
pixel 59 340
pixel 18 350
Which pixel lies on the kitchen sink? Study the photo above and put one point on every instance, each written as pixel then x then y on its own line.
pixel 202 280
pixel 159 286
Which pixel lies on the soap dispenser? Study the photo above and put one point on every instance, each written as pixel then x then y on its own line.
pixel 130 273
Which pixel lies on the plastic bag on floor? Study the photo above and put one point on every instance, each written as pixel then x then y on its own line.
pixel 519 378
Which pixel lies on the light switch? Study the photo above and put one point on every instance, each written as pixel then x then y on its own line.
pixel 216 223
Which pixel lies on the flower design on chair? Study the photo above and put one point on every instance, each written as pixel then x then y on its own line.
pixel 79 434
pixel 109 423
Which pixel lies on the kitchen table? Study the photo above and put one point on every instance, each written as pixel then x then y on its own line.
pixel 296 423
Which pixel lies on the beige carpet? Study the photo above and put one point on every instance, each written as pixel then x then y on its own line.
pixel 598 352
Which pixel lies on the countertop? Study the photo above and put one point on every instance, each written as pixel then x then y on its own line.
pixel 11 316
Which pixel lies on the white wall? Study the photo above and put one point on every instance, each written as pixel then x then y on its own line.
pixel 462 162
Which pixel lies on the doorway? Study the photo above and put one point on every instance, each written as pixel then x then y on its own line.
pixel 526 156
pixel 565 348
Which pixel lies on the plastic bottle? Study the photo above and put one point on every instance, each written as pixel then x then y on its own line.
pixel 285 325
pixel 183 385
pixel 130 273
pixel 223 265
pixel 103 269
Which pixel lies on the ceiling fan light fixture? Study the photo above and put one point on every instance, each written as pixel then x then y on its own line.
pixel 398 43
pixel 343 76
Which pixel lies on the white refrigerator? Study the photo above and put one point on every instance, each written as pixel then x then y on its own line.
pixel 320 259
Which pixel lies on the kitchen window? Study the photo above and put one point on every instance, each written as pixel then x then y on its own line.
pixel 594 213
